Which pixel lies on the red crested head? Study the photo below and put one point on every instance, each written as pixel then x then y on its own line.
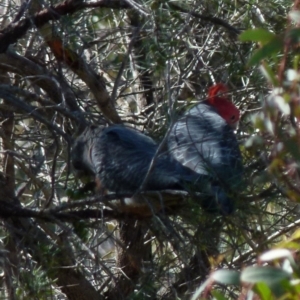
pixel 226 109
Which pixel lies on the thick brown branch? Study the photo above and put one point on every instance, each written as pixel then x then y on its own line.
pixel 140 207
pixel 83 71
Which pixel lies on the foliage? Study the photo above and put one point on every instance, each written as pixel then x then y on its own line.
pixel 68 64
pixel 276 275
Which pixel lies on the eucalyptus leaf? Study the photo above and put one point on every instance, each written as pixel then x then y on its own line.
pixel 257 35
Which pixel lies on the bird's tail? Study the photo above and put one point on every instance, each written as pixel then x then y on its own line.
pixel 221 201
pixel 212 197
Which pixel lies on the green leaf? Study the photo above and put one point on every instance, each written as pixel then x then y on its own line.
pixel 263 291
pixel 292 146
pixel 226 277
pixel 257 35
pixel 274 46
pixel 296 235
pixel 276 279
pixel 296 285
pixel 218 295
pixel 293 35
pixel 269 275
pixel 282 288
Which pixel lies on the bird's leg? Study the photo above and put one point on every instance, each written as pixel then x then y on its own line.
pixel 100 189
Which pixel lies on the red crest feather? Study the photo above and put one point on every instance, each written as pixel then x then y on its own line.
pixel 226 109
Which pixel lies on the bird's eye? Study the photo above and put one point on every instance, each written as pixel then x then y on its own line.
pixel 232 118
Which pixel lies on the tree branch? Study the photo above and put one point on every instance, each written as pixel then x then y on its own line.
pixel 211 19
pixel 15 31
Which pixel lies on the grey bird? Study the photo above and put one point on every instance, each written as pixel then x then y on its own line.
pixel 120 157
pixel 204 141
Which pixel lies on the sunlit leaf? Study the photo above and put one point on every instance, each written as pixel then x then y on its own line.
pixel 282 104
pixel 226 277
pixel 263 291
pixel 292 75
pixel 295 15
pixel 269 275
pixel 296 235
pixel 257 35
pixel 275 254
pixel 218 295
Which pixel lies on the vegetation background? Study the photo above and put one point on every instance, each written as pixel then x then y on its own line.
pixel 66 64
